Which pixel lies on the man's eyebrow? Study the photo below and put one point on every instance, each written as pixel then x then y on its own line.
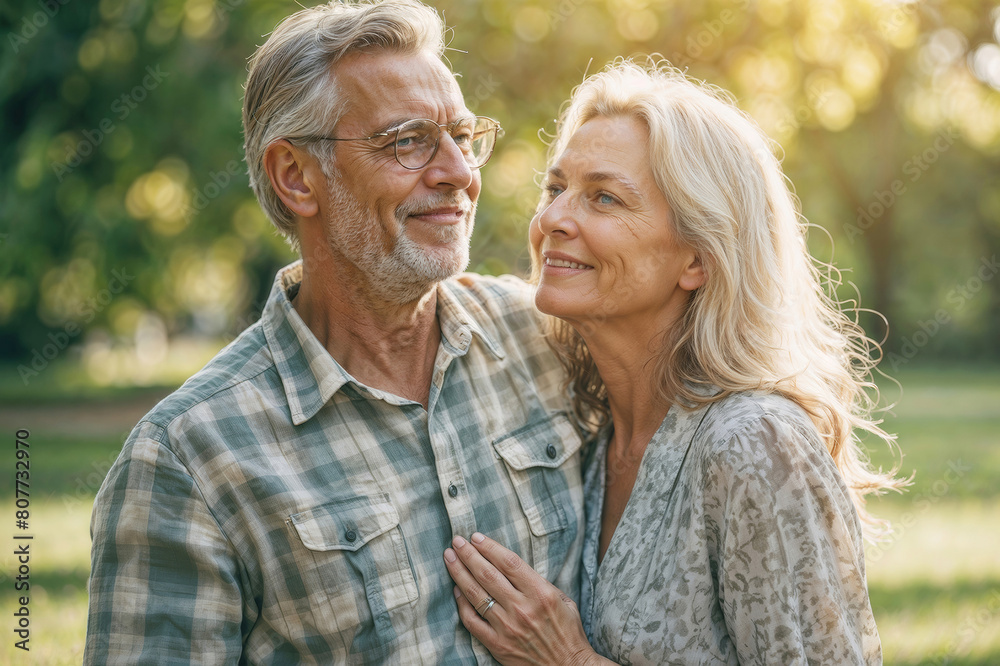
pixel 393 124
pixel 602 176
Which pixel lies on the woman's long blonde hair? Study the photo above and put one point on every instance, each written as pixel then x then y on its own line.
pixel 766 318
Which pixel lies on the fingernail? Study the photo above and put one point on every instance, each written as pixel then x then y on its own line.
pixel 458 542
pixel 477 538
pixel 449 555
pixel 457 592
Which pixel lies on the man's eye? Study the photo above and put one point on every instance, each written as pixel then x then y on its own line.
pixel 410 140
pixel 462 137
pixel 406 139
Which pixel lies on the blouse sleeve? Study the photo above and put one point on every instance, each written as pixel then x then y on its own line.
pixel 789 555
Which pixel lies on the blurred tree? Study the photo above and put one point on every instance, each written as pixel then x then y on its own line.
pixel 121 159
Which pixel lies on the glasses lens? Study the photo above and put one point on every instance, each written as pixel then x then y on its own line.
pixel 415 143
pixel 484 137
pixel 463 132
pixel 475 137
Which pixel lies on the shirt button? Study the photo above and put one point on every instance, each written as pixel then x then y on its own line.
pixel 550 451
pixel 453 490
pixel 351 535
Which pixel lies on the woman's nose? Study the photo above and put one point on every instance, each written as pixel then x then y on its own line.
pixel 558 218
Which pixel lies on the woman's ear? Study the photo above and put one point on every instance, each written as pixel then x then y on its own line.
pixel 693 275
pixel 291 172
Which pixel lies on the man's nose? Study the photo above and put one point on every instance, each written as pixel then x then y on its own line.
pixel 449 166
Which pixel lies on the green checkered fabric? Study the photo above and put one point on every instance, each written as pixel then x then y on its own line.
pixel 274 510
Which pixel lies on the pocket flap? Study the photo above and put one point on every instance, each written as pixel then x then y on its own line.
pixel 346 524
pixel 545 443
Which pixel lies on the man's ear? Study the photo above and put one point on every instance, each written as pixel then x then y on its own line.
pixel 693 275
pixel 292 171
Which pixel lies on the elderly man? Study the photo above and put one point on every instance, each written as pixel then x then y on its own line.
pixel 290 503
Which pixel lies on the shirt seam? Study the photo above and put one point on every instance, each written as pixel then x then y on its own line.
pixel 231 384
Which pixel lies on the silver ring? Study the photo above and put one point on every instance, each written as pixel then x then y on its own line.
pixel 489 601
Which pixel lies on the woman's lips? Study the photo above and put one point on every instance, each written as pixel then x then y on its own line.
pixel 564 262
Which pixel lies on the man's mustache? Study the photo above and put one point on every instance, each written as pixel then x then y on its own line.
pixel 458 200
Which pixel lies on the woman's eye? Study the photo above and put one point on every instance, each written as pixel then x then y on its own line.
pixel 553 191
pixel 606 199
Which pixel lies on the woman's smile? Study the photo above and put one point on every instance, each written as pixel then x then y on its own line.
pixel 604 232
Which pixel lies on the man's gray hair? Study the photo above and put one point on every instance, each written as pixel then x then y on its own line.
pixel 290 88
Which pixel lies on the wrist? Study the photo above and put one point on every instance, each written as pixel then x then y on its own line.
pixel 586 656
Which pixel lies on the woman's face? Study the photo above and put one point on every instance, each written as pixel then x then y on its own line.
pixel 603 233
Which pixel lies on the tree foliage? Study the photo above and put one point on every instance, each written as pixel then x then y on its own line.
pixel 121 153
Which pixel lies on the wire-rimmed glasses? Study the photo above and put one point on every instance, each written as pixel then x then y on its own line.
pixel 416 142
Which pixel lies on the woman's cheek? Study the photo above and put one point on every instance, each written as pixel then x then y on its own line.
pixel 535 233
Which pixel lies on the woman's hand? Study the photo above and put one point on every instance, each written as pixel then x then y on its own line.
pixel 530 622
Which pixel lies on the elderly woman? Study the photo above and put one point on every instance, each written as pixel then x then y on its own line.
pixel 725 488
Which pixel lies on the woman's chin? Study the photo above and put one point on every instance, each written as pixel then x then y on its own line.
pixel 551 302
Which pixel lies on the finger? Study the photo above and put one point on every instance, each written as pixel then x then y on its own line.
pixel 485 573
pixel 473 593
pixel 514 569
pixel 476 625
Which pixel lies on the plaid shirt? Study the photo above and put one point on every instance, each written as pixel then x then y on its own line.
pixel 276 510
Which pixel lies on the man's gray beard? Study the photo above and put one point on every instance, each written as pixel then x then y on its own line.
pixel 408 271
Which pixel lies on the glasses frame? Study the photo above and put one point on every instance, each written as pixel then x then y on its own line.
pixel 495 127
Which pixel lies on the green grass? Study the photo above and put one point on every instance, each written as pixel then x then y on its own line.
pixel 935 587
pixel 64 468
pixel 948 424
pixel 935 584
pixel 60 561
pixel 65 381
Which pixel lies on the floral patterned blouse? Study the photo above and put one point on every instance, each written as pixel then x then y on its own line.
pixel 739 545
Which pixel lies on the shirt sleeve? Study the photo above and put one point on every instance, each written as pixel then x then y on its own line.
pixel 165 583
pixel 791 580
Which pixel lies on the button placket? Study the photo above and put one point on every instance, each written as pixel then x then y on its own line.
pixel 460 512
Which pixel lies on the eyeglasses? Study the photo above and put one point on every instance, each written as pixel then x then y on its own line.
pixel 415 142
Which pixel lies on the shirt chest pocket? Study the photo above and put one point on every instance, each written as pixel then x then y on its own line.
pixel 543 464
pixel 359 564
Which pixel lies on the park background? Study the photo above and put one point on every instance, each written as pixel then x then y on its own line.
pixel 131 248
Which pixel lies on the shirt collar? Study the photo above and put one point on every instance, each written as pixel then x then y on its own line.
pixel 311 376
pixel 461 317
